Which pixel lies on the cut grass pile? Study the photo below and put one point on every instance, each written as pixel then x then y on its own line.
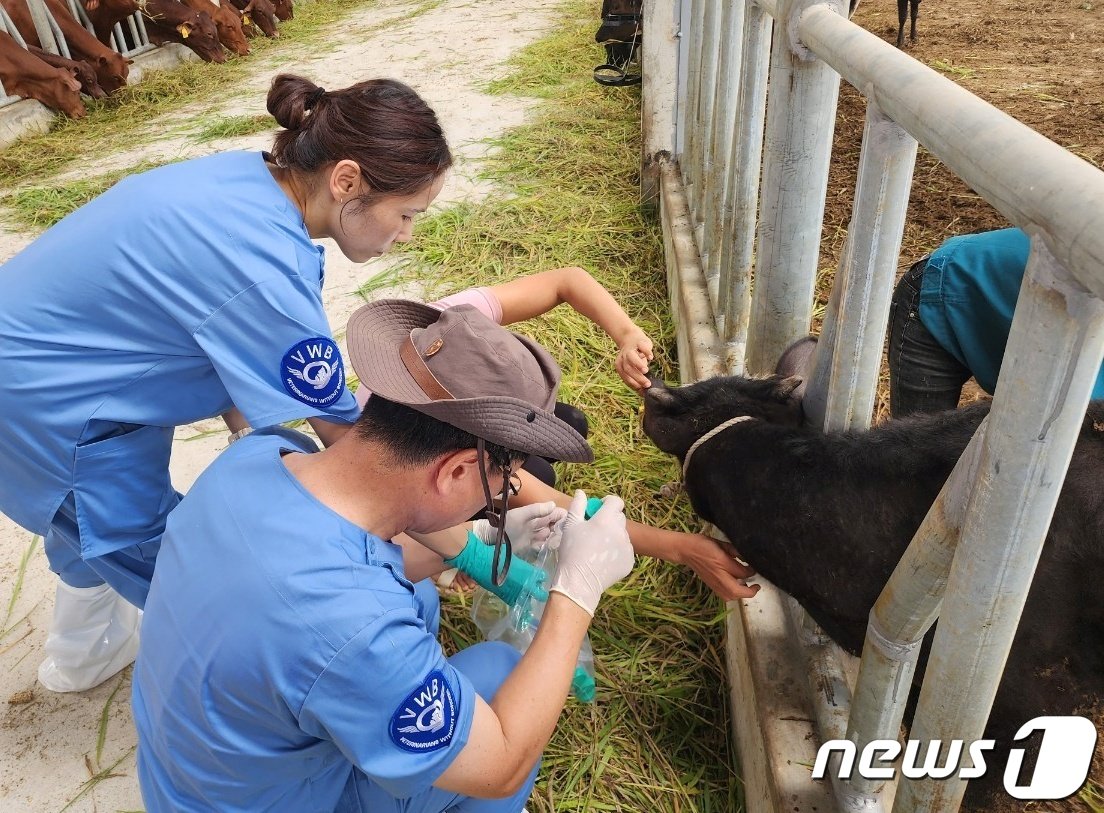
pixel 656 739
pixel 234 127
pixel 36 208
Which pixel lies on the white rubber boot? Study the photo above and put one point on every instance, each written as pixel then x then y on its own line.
pixel 93 636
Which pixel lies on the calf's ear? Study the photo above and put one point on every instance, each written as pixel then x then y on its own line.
pixel 659 396
pixel 786 387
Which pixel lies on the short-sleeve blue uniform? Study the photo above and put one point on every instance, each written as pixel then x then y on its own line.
pixel 287 663
pixel 175 295
pixel 968 295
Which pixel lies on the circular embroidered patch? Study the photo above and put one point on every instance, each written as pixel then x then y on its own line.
pixel 312 372
pixel 426 720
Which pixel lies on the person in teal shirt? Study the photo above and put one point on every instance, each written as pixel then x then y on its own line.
pixel 950 318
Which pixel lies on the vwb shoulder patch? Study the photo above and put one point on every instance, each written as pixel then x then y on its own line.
pixel 312 371
pixel 426 720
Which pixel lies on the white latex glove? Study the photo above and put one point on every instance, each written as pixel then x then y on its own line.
pixel 594 554
pixel 528 526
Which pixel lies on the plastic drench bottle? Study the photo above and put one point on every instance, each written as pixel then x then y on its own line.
pixel 517 624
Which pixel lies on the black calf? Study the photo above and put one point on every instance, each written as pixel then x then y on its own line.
pixel 826 517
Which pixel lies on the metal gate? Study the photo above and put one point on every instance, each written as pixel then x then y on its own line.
pixel 738 116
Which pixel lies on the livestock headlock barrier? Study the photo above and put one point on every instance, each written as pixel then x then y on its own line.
pixel 739 103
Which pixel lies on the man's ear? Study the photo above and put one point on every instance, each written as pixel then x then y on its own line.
pixel 345 180
pixel 456 470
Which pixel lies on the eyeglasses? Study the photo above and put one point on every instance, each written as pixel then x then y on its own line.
pixel 497 516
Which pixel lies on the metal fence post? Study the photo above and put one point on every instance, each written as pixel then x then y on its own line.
pixel 1053 355
pixel 904 612
pixel 738 232
pixel 42 20
pixel 690 114
pixel 801 108
pixel 703 122
pixel 718 166
pixel 849 353
pixel 659 91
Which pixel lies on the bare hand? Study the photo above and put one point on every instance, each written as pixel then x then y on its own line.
pixel 633 356
pixel 715 564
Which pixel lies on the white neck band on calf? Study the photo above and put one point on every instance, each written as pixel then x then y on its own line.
pixel 708 435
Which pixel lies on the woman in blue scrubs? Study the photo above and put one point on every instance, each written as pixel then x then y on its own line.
pixel 186 292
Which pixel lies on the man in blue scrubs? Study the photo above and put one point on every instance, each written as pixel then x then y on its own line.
pixel 287 660
pixel 950 319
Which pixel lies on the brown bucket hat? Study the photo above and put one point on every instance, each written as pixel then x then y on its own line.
pixel 464 369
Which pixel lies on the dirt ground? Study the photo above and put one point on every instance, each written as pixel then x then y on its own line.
pixel 1038 61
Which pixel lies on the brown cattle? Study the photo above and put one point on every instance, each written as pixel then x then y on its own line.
pixel 283 9
pixel 111 68
pixel 24 74
pixel 228 23
pixel 261 12
pixel 80 69
pixel 172 21
pixel 103 14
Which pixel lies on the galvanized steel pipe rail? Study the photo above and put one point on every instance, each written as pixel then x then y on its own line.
pixel 999 500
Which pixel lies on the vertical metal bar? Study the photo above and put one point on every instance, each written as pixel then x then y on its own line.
pixel 59 38
pixel 844 381
pixel 117 38
pixel 682 101
pixel 81 16
pixel 1050 366
pixel 719 167
pixel 743 198
pixel 136 20
pixel 707 88
pixel 801 108
pixel 40 16
pixel 659 86
pixel 698 356
pixel 693 91
pixel 904 612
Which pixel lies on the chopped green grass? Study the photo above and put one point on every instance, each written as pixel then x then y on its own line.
pixel 657 737
pixel 38 207
pixel 233 127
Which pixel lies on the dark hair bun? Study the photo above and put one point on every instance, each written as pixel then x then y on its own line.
pixel 287 99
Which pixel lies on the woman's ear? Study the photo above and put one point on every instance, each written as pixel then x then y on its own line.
pixel 345 180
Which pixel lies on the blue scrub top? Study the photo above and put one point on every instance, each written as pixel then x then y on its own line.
pixel 968 295
pixel 283 649
pixel 171 297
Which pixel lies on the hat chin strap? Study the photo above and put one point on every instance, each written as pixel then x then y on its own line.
pixel 420 372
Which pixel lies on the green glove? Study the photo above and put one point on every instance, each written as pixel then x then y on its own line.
pixel 476 559
pixel 592 506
